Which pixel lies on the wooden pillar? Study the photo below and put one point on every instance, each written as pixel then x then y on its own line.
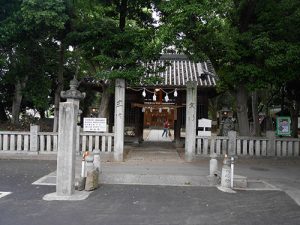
pixel 139 120
pixel 141 125
pixel 177 127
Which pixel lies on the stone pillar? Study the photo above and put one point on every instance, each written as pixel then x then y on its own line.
pixel 271 143
pixel 119 119
pixel 226 174
pixel 232 143
pixel 67 144
pixel 213 164
pixel 34 140
pixel 78 128
pixel 65 185
pixel 191 121
pixel 97 160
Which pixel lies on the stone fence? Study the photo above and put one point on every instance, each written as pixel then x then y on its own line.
pixel 36 142
pixel 269 146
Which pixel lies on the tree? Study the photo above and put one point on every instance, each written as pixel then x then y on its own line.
pixel 114 38
pixel 243 38
pixel 24 29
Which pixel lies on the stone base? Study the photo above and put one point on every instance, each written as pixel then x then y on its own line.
pixel 227 190
pixel 240 181
pixel 213 180
pixel 77 196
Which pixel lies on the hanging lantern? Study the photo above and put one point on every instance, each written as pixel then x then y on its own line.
pixel 175 92
pixel 160 110
pixel 154 97
pixel 166 98
pixel 143 109
pixel 150 109
pixel 144 93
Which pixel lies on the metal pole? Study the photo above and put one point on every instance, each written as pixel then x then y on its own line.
pixel 232 168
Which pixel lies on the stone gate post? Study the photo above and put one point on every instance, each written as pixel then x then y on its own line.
pixel 65 177
pixel 119 119
pixel 67 134
pixel 191 120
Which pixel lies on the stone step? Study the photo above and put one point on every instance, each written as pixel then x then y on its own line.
pixel 152 179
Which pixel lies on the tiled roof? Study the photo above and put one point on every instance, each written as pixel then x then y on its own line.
pixel 179 69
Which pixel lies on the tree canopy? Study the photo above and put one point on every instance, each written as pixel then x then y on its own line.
pixel 253 45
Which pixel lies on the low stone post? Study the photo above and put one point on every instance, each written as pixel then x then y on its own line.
pixel 271 143
pixel 97 160
pixel 226 173
pixel 213 164
pixel 232 143
pixel 34 139
pixel 92 174
pixel 89 166
pixel 213 177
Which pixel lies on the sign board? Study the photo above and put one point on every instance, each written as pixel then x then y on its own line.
pixel 204 127
pixel 283 126
pixel 94 124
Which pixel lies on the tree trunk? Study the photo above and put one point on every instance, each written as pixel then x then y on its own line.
pixel 17 99
pixel 123 14
pixel 256 127
pixel 3 116
pixel 294 117
pixel 104 102
pixel 59 87
pixel 242 111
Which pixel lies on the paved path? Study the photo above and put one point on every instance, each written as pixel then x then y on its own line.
pixel 155 135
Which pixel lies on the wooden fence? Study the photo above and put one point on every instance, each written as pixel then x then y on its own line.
pixel 248 146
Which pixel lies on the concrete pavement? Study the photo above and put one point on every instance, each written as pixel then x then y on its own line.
pixel 149 164
pixel 136 204
pixel 154 186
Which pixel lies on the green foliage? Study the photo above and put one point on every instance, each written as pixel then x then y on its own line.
pixel 48 14
pixel 253 42
pixel 112 51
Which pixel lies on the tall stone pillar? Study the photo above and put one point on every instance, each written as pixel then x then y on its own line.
pixel 191 120
pixel 119 119
pixel 65 177
pixel 67 134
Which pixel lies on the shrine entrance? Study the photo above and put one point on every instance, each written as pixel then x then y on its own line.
pixel 179 96
pixel 154 116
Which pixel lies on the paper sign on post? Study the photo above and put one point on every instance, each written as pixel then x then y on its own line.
pixel 94 124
